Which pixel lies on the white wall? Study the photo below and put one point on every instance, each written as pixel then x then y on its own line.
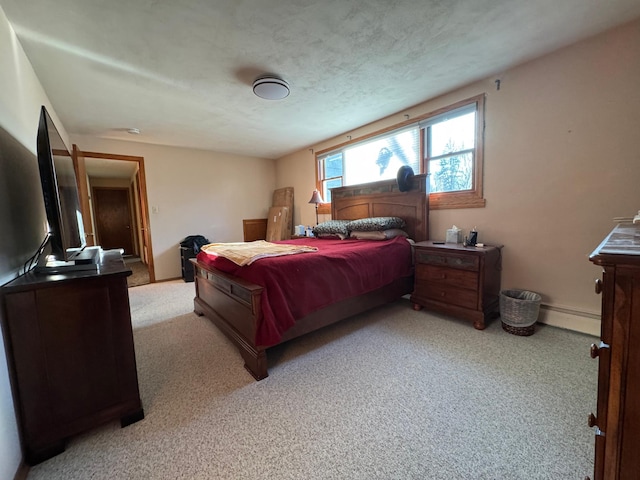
pixel 194 192
pixel 22 223
pixel 561 161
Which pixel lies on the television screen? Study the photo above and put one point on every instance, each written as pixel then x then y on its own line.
pixel 60 192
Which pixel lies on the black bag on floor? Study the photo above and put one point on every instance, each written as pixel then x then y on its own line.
pixel 194 242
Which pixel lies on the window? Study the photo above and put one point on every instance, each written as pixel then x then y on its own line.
pixel 332 168
pixel 450 151
pixel 370 160
pixel 453 155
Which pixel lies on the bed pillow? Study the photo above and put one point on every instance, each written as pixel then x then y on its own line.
pixel 373 224
pixel 379 234
pixel 332 229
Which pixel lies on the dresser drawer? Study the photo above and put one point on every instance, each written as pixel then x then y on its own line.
pixel 446 259
pixel 448 294
pixel 450 276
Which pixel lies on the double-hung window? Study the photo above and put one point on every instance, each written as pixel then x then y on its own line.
pixel 453 154
pixel 446 144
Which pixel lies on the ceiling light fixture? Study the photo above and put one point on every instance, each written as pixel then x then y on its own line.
pixel 271 88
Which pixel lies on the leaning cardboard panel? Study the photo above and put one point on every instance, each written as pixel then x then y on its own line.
pixel 277 224
pixel 283 197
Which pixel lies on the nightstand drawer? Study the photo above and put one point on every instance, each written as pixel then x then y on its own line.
pixel 448 294
pixel 445 259
pixel 451 276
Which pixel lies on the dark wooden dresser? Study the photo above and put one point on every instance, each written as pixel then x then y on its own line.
pixel 460 281
pixel 70 352
pixel 617 420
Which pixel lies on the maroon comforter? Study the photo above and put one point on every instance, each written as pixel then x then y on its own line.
pixel 296 285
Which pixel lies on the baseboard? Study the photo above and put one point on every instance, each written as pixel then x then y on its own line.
pixel 571 319
pixel 22 472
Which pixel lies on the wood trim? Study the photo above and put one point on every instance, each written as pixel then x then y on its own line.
pixel 406 123
pixel 79 166
pixel 22 472
pixel 144 209
pixel 113 156
pixel 463 200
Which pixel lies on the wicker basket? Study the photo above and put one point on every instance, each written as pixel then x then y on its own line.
pixel 519 311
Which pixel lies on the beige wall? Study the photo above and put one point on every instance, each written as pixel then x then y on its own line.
pixel 22 217
pixel 194 192
pixel 561 161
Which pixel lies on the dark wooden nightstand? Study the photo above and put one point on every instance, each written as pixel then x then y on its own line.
pixel 186 253
pixel 459 281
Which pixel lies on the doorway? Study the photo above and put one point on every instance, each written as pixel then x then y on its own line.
pixel 113 198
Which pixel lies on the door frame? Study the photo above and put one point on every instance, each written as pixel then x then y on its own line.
pixel 142 223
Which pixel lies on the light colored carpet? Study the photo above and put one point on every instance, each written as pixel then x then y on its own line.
pixel 392 394
pixel 139 272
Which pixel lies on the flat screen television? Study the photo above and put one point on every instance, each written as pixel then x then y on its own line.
pixel 67 239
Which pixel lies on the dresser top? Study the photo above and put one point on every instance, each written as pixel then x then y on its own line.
pixel 622 245
pixel 459 247
pixel 111 263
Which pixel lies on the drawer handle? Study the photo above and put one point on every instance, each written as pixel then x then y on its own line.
pixel 592 422
pixel 595 349
pixel 598 286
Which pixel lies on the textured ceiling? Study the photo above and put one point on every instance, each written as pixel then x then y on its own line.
pixel 181 72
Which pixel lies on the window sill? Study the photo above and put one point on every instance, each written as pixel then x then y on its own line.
pixel 441 202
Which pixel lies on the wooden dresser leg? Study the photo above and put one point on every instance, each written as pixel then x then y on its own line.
pixel 33 456
pixel 256 364
pixel 197 310
pixel 131 418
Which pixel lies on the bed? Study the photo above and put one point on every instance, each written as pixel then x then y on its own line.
pixel 238 306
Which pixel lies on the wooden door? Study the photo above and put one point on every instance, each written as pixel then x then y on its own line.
pixel 113 218
pixel 83 194
pixel 144 220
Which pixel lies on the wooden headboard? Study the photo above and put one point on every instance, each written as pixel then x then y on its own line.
pixel 384 199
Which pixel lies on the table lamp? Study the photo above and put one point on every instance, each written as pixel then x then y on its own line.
pixel 316 198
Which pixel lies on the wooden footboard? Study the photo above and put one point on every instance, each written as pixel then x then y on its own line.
pixel 233 305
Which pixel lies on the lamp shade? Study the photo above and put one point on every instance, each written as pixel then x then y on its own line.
pixel 316 198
